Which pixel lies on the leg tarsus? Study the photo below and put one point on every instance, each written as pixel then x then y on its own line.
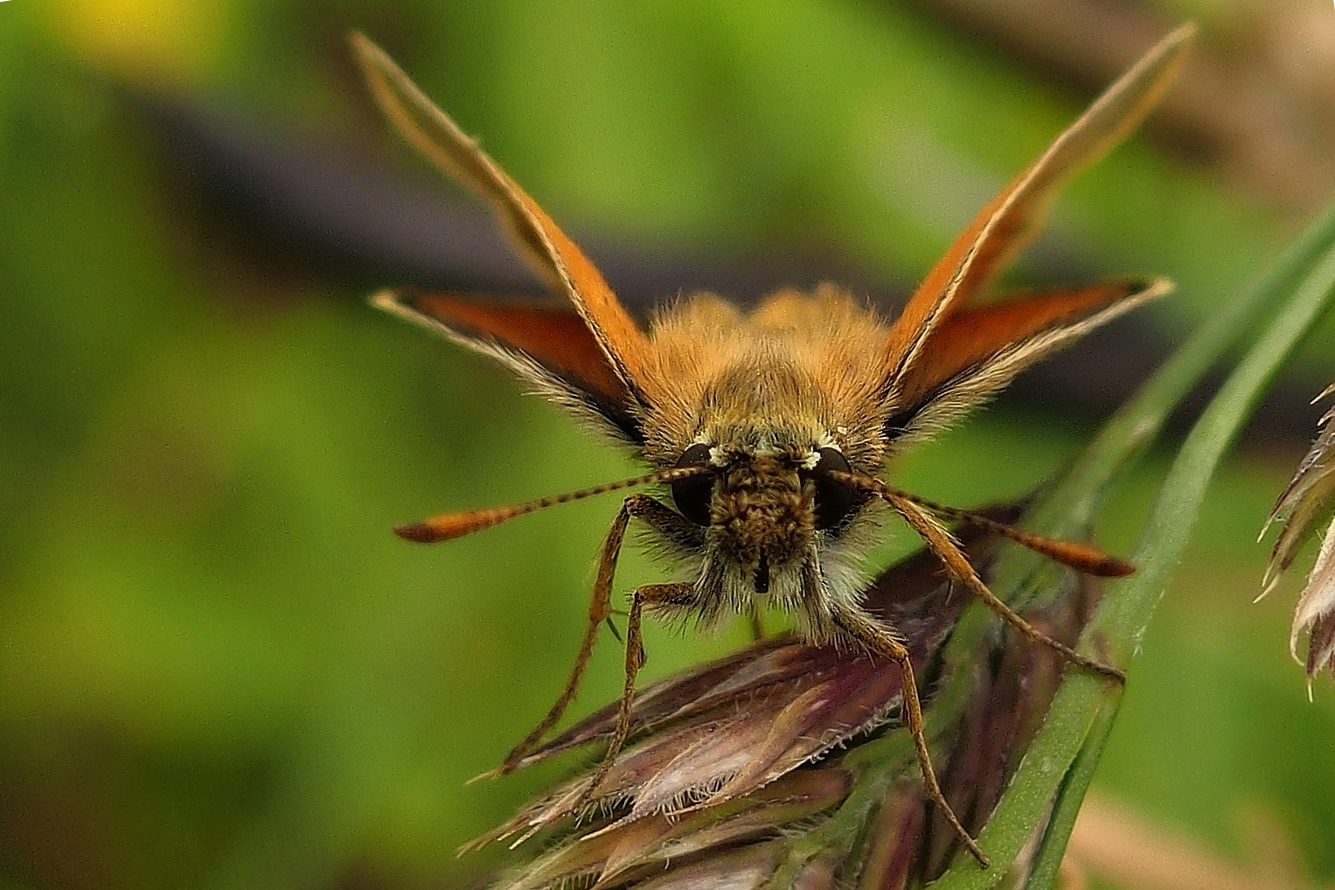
pixel 652 594
pixel 878 640
pixel 958 566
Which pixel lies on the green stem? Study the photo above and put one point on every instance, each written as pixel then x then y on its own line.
pixel 1074 722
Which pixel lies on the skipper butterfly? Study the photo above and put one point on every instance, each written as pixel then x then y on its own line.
pixel 770 429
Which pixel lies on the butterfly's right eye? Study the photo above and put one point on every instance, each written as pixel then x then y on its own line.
pixel 693 495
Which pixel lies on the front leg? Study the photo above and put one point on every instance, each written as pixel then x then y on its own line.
pixel 959 568
pixel 679 595
pixel 659 517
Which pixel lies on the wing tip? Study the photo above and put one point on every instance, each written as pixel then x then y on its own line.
pixel 1180 36
pixel 391 300
pixel 367 52
pixel 1149 287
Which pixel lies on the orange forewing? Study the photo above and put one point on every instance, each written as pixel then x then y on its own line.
pixel 554 336
pixel 549 249
pixel 1011 218
pixel 968 338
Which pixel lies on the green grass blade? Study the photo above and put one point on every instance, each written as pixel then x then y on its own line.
pixel 1071 502
pixel 1124 619
pixel 1070 796
pixel 1301 281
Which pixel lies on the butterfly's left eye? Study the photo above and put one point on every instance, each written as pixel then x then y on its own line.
pixel 694 494
pixel 834 497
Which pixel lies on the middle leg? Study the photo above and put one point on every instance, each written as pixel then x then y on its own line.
pixel 651 595
pixel 958 566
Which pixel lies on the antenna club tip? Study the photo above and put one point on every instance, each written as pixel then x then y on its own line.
pixel 419 533
pixel 1112 567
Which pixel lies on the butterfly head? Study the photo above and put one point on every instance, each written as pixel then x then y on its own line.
pixel 762 510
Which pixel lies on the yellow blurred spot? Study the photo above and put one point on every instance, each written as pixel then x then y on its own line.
pixel 143 40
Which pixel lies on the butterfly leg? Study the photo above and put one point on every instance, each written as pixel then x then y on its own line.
pixel 651 595
pixel 959 568
pixel 880 640
pixel 600 609
pixel 757 623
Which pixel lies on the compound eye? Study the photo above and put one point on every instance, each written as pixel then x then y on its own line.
pixel 694 494
pixel 835 498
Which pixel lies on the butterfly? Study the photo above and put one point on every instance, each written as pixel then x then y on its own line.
pixel 770 428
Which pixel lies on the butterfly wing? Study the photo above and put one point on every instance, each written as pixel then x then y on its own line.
pixel 978 351
pixel 1011 219
pixel 551 252
pixel 944 355
pixel 548 345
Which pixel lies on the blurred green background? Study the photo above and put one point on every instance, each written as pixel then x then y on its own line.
pixel 217 666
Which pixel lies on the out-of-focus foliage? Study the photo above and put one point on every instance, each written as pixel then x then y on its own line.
pixel 217 666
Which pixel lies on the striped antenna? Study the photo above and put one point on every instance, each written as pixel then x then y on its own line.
pixel 455 525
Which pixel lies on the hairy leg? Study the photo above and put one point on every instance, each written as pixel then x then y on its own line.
pixel 957 564
pixel 880 640
pixel 651 595
pixel 660 517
